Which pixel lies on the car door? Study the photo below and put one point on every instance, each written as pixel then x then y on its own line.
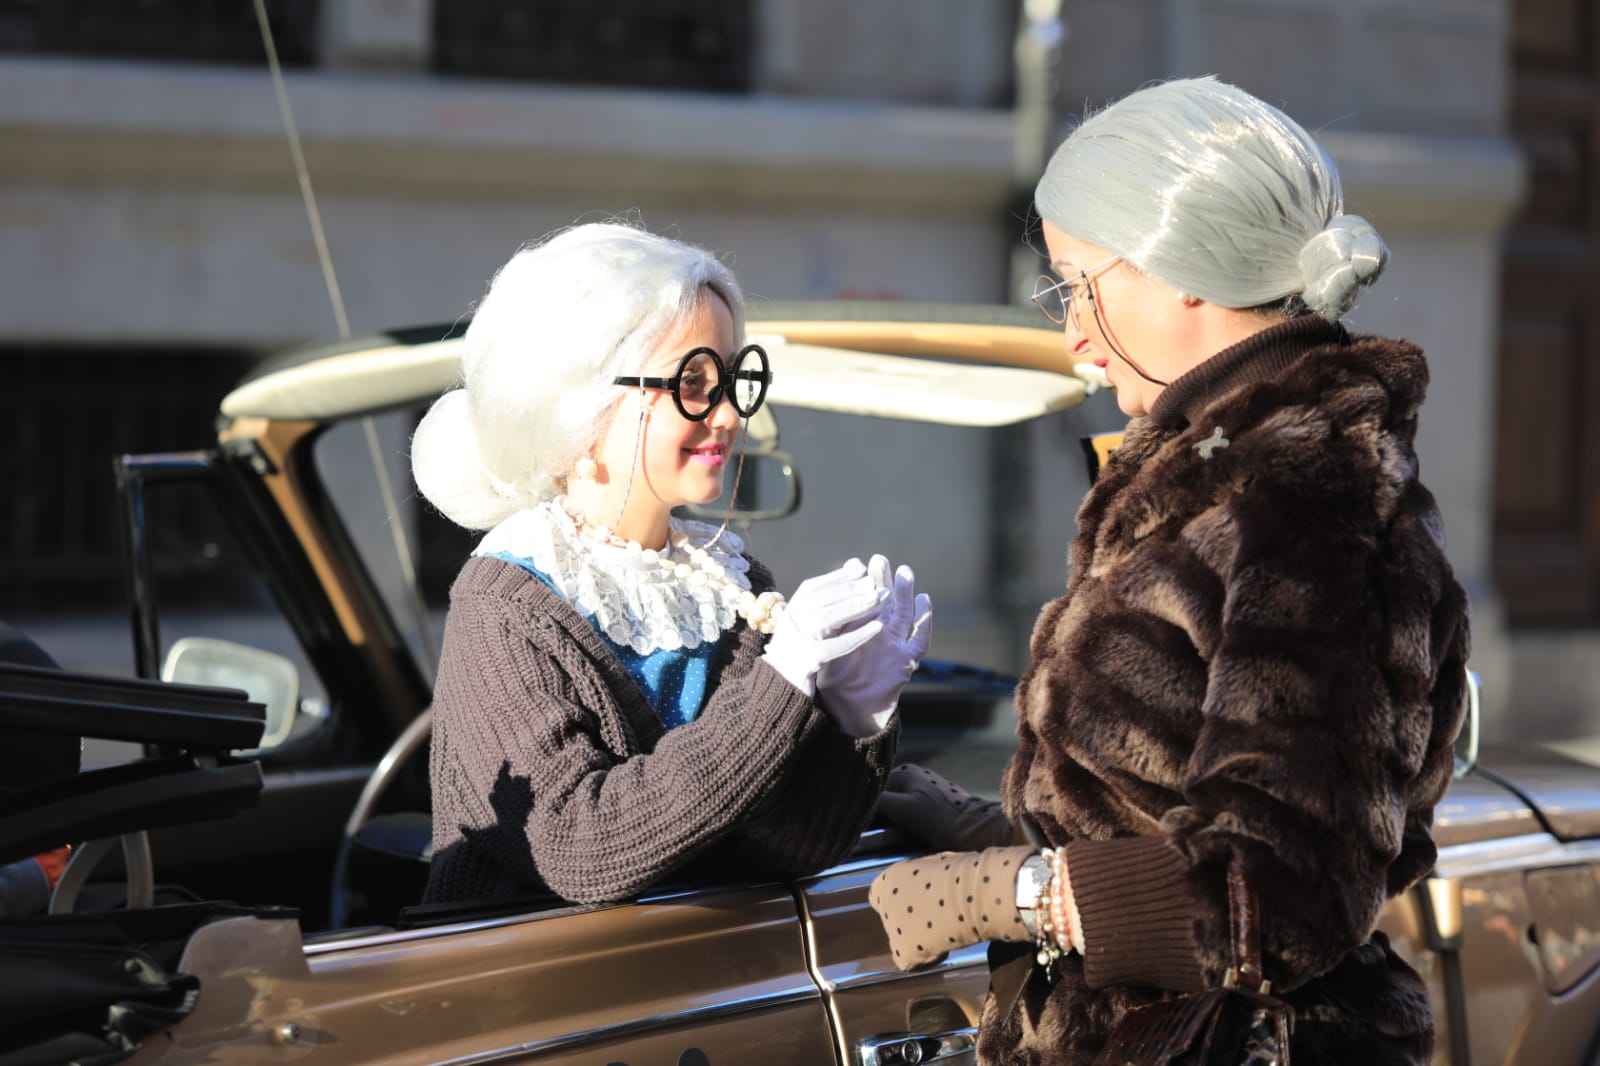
pixel 1505 931
pixel 885 1017
pixel 211 556
pixel 1525 909
pixel 716 976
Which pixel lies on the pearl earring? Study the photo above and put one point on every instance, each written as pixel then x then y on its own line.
pixel 1187 299
pixel 585 469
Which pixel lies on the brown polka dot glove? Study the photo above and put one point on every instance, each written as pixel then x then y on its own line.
pixel 941 902
pixel 941 814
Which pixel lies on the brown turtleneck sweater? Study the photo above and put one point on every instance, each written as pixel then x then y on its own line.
pixel 1256 359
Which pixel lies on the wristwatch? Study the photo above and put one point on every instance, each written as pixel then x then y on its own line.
pixel 1032 878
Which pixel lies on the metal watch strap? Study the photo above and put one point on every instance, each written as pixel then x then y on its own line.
pixel 1032 876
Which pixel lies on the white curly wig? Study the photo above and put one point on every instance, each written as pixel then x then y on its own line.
pixel 560 320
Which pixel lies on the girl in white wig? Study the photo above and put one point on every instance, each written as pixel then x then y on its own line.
pixel 622 695
pixel 1259 661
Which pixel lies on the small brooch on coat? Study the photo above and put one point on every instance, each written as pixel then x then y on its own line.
pixel 1211 443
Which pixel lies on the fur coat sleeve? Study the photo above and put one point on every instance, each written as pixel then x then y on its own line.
pixel 1261 651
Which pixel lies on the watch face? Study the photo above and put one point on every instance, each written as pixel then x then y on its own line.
pixel 1032 876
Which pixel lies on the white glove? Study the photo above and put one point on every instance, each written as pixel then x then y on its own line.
pixel 829 615
pixel 862 689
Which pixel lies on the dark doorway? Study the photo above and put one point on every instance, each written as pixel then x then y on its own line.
pixel 1547 470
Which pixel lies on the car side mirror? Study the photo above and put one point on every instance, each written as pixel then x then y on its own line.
pixel 269 678
pixel 768 487
pixel 1468 740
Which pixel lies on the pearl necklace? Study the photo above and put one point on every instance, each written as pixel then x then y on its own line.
pixel 700 571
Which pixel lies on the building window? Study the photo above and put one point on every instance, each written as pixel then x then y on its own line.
pixel 212 31
pixel 65 412
pixel 682 44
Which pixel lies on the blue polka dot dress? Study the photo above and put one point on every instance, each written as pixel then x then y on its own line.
pixel 673 680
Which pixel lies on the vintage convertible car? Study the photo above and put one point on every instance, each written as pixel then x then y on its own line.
pixel 322 778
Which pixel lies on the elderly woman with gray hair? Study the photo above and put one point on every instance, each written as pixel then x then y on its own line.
pixel 622 695
pixel 1259 660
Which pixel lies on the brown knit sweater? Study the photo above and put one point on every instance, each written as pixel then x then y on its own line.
pixel 550 768
pixel 1260 652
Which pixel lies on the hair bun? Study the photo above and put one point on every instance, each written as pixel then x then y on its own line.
pixel 1336 264
pixel 448 468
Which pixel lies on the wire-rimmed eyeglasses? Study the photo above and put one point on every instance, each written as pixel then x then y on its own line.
pixel 702 380
pixel 1055 298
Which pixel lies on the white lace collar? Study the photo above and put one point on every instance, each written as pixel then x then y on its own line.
pixel 633 596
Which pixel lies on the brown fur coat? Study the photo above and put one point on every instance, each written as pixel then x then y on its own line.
pixel 1261 650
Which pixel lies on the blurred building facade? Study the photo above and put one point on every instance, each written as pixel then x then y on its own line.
pixel 152 229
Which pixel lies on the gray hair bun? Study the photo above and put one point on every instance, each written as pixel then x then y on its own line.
pixel 1346 257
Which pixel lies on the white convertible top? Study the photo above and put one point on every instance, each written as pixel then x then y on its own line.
pixel 981 366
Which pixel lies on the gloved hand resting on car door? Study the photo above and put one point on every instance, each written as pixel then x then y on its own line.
pixel 941 814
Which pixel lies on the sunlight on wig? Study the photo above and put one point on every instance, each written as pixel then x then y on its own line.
pixel 1202 186
pixel 563 318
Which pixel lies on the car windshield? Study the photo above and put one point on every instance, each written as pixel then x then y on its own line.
pixel 983 516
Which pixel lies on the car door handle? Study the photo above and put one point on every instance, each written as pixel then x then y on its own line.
pixel 912 1049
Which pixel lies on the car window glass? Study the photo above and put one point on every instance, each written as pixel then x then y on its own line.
pixel 382 521
pixel 205 586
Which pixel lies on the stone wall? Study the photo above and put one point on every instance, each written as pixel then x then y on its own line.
pixel 1427 67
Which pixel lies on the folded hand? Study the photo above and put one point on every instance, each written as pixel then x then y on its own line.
pixel 862 688
pixel 829 616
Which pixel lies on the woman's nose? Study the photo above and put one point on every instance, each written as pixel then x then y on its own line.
pixel 1071 334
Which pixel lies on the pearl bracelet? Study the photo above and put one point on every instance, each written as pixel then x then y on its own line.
pixel 1059 922
pixel 1049 924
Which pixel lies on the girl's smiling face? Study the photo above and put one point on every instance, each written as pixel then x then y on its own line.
pixel 672 460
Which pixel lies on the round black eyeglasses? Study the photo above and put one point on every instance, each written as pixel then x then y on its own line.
pixel 702 380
